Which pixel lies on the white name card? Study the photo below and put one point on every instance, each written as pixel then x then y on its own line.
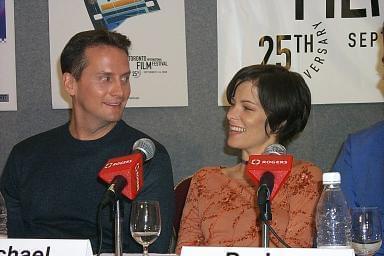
pixel 45 247
pixel 252 251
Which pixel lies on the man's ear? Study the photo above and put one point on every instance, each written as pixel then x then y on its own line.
pixel 69 83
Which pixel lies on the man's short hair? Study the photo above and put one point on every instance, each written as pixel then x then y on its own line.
pixel 72 59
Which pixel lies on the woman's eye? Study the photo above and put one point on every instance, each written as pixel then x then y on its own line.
pixel 248 108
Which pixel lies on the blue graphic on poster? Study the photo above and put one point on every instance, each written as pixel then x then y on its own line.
pixel 107 14
pixel 3 35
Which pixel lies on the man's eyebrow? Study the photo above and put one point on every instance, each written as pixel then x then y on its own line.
pixel 111 73
pixel 105 73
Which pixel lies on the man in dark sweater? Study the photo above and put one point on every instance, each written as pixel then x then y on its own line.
pixel 50 182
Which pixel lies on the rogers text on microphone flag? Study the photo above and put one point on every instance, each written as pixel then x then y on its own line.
pixel 279 165
pixel 130 167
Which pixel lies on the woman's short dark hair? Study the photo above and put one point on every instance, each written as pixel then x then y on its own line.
pixel 283 94
pixel 73 60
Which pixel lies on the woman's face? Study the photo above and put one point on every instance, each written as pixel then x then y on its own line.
pixel 246 118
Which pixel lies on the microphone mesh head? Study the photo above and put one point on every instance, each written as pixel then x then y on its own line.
pixel 146 146
pixel 275 149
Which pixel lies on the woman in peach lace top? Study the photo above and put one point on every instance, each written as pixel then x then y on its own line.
pixel 269 104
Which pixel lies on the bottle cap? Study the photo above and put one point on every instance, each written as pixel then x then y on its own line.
pixel 331 178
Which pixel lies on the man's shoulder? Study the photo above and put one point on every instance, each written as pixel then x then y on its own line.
pixel 135 134
pixel 372 134
pixel 42 138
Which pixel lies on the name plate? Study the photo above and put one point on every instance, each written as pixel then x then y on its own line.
pixel 45 247
pixel 252 251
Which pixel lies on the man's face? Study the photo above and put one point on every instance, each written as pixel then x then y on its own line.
pixel 101 93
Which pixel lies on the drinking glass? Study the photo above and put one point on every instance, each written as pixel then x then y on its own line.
pixel 145 223
pixel 366 230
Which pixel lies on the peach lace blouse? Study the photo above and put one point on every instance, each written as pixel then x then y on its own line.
pixel 221 211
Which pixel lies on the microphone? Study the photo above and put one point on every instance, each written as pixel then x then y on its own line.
pixel 263 195
pixel 274 161
pixel 270 170
pixel 267 183
pixel 125 173
pixel 275 149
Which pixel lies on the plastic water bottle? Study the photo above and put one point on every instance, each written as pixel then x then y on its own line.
pixel 333 220
pixel 3 218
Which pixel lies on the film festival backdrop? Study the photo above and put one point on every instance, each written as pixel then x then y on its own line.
pixel 334 44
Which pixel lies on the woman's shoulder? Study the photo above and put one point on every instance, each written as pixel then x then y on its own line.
pixel 306 169
pixel 206 181
pixel 207 172
pixel 305 178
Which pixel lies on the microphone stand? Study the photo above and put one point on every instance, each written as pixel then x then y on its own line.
pixel 263 195
pixel 118 230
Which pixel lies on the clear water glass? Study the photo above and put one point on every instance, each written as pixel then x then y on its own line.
pixel 366 230
pixel 145 223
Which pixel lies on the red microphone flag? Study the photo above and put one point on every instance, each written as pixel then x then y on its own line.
pixel 279 165
pixel 130 167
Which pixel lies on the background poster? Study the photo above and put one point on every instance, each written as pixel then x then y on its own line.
pixel 8 97
pixel 335 45
pixel 157 55
pixel 3 34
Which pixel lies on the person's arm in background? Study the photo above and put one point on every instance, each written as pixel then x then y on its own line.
pixel 305 193
pixel 158 185
pixel 10 190
pixel 190 233
pixel 360 164
pixel 343 165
